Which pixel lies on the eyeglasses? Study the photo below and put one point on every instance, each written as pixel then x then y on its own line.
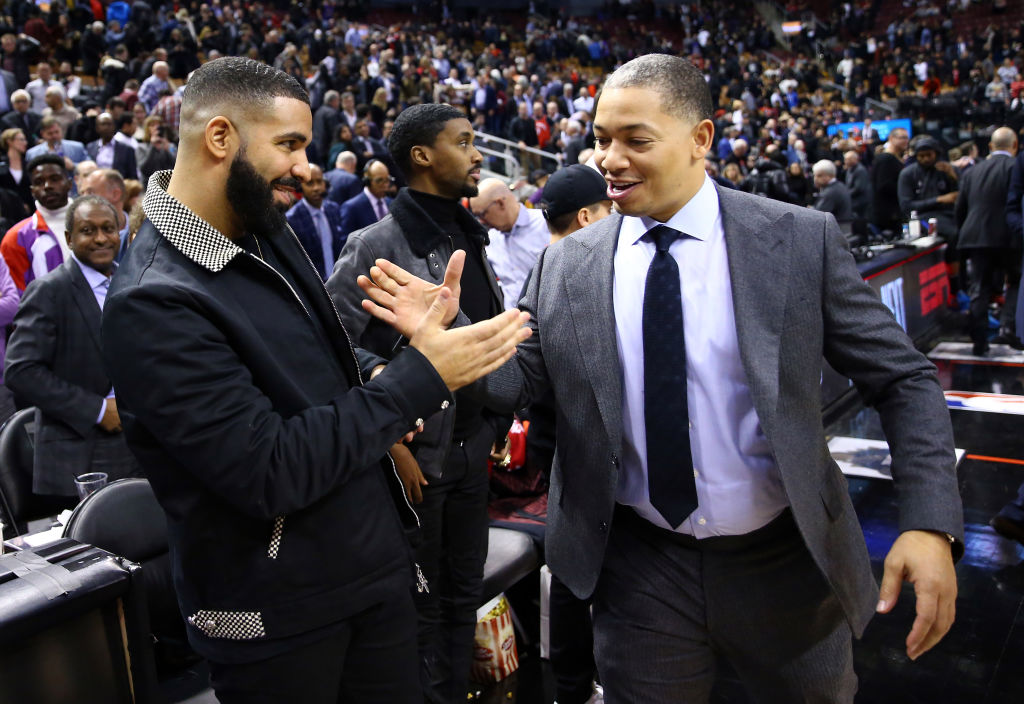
pixel 483 213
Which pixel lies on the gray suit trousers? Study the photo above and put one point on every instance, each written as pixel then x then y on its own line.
pixel 668 606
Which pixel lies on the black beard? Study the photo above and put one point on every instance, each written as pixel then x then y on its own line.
pixel 252 198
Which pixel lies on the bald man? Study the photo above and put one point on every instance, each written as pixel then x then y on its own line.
pixel 152 87
pixel 992 253
pixel 517 236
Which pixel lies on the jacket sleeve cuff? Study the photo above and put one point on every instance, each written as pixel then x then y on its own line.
pixel 368 361
pixel 415 385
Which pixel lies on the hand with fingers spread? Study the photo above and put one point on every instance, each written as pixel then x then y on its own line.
pixel 401 299
pixel 924 559
pixel 463 355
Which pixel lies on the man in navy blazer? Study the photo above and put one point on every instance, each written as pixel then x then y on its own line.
pixel 108 153
pixel 317 223
pixel 373 203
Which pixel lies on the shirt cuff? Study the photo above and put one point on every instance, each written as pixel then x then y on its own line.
pixel 103 412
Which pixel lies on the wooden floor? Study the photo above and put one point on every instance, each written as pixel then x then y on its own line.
pixel 981 660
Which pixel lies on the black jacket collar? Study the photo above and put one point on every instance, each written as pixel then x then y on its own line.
pixel 423 233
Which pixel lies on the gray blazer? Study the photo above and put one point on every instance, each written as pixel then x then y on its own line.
pixel 54 363
pixel 798 297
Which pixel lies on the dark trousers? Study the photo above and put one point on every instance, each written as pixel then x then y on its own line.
pixel 987 269
pixel 372 659
pixel 453 516
pixel 572 645
pixel 7 407
pixel 667 606
pixel 110 454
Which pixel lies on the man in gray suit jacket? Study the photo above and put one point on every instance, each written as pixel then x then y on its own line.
pixel 986 240
pixel 740 539
pixel 54 361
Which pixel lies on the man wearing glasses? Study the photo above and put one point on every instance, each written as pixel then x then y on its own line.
pixel 372 204
pixel 516 237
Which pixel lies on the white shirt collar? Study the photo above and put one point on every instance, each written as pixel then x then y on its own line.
pixel 697 218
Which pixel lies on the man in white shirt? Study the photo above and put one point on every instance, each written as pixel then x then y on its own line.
pixel 517 236
pixel 37 88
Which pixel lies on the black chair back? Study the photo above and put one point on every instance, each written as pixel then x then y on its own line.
pixel 18 505
pixel 124 518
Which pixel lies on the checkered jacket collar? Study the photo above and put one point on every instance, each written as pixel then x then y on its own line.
pixel 190 234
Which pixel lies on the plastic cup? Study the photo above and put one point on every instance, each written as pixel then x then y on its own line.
pixel 86 484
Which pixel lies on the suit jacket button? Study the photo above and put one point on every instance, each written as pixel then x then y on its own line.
pixel 615 460
pixel 604 527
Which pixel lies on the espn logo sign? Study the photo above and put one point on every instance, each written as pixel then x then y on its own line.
pixel 934 287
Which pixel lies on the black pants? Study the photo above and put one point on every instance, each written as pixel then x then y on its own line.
pixel 453 516
pixel 371 660
pixel 988 268
pixel 572 645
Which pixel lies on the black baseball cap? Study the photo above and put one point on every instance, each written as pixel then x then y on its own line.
pixel 572 188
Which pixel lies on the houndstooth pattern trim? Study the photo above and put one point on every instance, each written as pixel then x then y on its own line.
pixel 230 625
pixel 190 234
pixel 275 538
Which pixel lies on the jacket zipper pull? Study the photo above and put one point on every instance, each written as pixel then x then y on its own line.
pixel 421 581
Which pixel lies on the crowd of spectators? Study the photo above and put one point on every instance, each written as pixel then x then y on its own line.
pixel 532 81
pixel 91 91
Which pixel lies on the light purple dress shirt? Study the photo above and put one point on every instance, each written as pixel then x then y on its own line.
pixel 513 254
pixel 99 284
pixel 738 484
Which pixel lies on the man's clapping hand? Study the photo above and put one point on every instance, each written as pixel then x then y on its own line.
pixel 463 355
pixel 401 299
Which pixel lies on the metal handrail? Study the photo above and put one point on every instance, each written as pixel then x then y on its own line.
pixel 509 144
pixel 514 170
pixel 836 86
pixel 880 105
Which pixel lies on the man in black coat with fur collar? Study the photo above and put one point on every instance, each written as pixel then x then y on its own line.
pixel 432 144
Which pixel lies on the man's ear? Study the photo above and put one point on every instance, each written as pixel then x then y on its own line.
pixel 703 136
pixel 582 217
pixel 220 137
pixel 420 156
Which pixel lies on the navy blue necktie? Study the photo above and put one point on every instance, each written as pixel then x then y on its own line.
pixel 670 480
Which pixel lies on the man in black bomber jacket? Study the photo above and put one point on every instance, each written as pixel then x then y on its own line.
pixel 263 431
